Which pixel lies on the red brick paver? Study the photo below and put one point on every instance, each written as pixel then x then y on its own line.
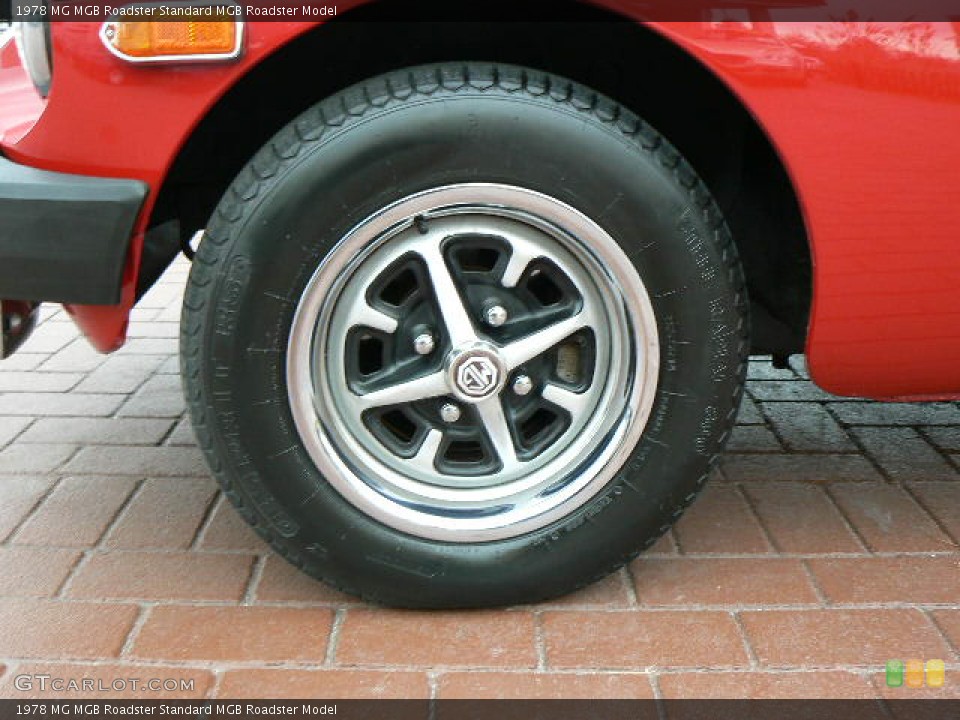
pixel 757 685
pixel 59 630
pixel 825 545
pixel 162 576
pixel 841 637
pixel 722 581
pixel 642 639
pixel 423 639
pixel 175 632
pixel 544 686
pixel 331 684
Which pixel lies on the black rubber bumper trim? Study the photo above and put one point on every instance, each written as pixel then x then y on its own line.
pixel 64 238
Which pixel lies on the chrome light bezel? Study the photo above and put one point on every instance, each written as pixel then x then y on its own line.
pixel 109 26
pixel 32 38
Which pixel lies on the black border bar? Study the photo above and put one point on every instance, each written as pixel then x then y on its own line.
pixel 518 10
pixel 308 709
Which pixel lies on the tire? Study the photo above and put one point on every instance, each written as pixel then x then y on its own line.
pixel 414 244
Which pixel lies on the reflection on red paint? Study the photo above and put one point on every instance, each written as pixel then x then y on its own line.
pixel 870 141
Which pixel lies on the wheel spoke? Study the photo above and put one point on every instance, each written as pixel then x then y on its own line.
pixel 427 454
pixel 422 388
pixel 573 403
pixel 454 312
pixel 517 264
pixel 495 425
pixel 370 317
pixel 523 250
pixel 525 349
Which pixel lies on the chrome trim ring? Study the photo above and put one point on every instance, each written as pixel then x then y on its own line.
pixel 606 417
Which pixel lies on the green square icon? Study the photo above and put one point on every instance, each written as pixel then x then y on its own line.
pixel 894 673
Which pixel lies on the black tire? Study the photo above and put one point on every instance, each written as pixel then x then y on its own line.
pixel 385 139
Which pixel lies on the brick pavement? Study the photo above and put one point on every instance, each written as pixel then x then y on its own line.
pixel 826 545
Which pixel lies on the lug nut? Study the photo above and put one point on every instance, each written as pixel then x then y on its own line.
pixel 450 413
pixel 424 344
pixel 495 315
pixel 522 385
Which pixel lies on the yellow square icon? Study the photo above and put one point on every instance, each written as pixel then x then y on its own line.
pixel 914 673
pixel 935 673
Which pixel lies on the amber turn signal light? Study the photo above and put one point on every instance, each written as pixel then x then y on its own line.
pixel 217 36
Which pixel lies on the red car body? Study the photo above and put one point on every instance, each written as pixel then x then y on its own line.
pixel 869 140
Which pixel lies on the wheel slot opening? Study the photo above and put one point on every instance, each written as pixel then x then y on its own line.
pixel 399 425
pixel 538 423
pixel 400 289
pixel 370 355
pixel 544 289
pixel 464 452
pixel 477 259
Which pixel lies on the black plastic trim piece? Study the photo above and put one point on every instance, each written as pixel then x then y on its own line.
pixel 64 238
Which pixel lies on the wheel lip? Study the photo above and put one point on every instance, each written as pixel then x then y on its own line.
pixel 590 477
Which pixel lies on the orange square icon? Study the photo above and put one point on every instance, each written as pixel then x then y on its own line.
pixel 935 673
pixel 914 674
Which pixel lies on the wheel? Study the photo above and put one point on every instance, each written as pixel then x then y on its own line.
pixel 464 335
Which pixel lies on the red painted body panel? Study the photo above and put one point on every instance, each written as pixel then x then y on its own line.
pixel 105 117
pixel 865 117
pixel 871 139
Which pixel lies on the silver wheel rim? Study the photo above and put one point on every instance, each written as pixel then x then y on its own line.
pixel 495 342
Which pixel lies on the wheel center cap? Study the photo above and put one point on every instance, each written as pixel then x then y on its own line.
pixel 475 372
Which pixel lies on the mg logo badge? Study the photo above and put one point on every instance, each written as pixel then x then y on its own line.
pixel 477 376
pixel 475 372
